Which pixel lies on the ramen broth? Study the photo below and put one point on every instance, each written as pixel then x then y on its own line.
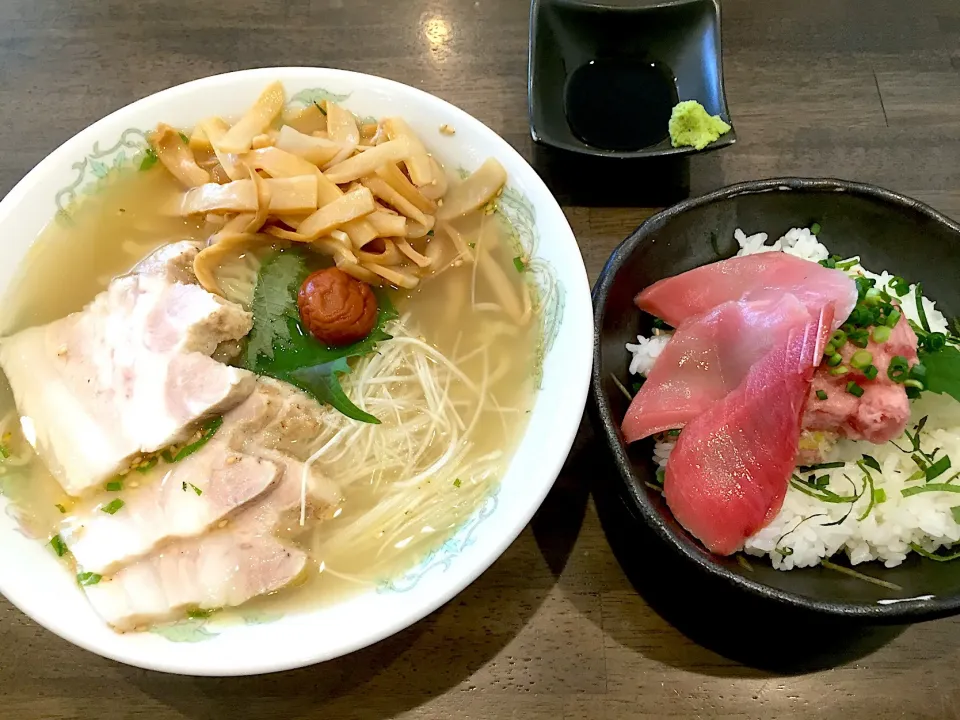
pixel 112 231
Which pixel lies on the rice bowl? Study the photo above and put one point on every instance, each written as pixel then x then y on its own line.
pixel 700 231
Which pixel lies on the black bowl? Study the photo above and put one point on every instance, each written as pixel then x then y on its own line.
pixel 889 231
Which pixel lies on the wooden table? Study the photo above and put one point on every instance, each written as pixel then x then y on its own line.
pixel 862 90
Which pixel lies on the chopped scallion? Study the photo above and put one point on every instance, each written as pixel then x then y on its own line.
pixel 881 334
pixel 58 545
pixel 148 465
pixel 861 359
pixel 821 394
pixel 88 578
pixel 835 359
pixel 111 507
pixel 859 338
pixel 114 486
pixel 900 286
pixel 838 338
pixel 839 370
pixel 519 264
pixel 899 369
pixel 879 496
pixel 457 483
pixel 934 341
pixel 870 372
pixel 61 508
pixel 815 229
pixel 854 389
pixel 892 319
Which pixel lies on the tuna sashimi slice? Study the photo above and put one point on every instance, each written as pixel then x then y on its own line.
pixel 728 474
pixel 707 358
pixel 678 298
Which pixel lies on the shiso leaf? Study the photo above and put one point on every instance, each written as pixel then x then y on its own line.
pixel 280 347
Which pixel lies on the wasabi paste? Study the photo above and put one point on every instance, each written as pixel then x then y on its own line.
pixel 691 125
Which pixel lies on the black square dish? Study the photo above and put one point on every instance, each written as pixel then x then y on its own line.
pixel 603 76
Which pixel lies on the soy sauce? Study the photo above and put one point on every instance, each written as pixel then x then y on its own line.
pixel 620 104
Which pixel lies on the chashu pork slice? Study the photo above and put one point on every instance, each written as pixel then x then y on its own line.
pixel 223 569
pixel 172 501
pixel 129 374
pixel 229 565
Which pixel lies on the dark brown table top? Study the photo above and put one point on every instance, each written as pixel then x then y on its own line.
pixel 861 90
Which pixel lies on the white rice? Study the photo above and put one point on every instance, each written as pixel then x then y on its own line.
pixel 800 535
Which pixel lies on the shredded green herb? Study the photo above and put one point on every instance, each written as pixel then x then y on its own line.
pixel 879 496
pixel 193 487
pixel 58 545
pixel 868 480
pixel 788 551
pixel 932 555
pixel 822 466
pixel 616 381
pixel 859 575
pixel 938 468
pixel 88 578
pixel 930 487
pixel 111 507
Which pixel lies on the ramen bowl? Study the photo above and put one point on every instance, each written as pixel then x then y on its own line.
pixel 31 576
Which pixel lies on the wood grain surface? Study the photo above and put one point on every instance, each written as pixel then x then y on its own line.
pixel 861 89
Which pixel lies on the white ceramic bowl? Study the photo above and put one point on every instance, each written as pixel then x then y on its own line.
pixel 30 576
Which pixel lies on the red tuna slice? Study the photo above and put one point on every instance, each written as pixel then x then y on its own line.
pixel 708 357
pixel 678 298
pixel 728 474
